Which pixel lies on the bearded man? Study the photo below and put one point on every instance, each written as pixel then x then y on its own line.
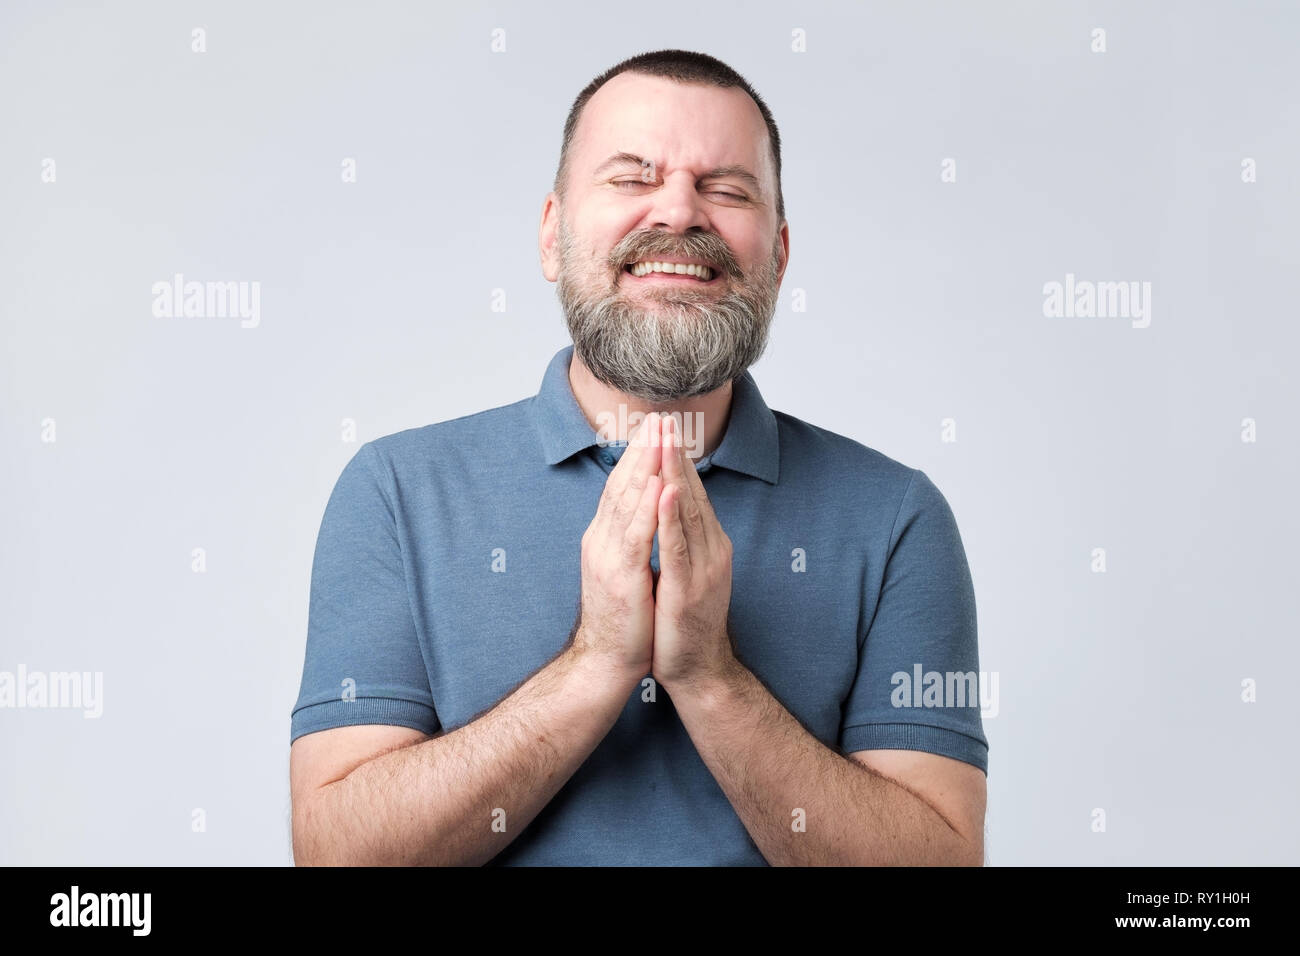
pixel 641 618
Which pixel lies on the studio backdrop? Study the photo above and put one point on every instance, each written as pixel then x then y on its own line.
pixel 1046 253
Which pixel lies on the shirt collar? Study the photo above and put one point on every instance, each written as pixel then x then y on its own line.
pixel 750 444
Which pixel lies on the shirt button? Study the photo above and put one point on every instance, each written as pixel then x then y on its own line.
pixel 607 458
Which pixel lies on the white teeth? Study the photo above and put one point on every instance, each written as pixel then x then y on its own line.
pixel 700 272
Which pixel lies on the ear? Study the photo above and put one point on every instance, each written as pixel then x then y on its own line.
pixel 546 236
pixel 785 246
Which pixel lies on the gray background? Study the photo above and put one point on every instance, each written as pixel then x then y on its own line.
pixel 1119 690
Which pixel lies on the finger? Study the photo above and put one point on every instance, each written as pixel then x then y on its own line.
pixel 615 505
pixel 638 539
pixel 700 496
pixel 636 443
pixel 643 465
pixel 674 549
pixel 677 468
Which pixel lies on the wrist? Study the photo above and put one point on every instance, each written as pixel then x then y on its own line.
pixel 711 689
pixel 601 669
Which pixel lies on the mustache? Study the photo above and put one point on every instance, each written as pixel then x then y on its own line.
pixel 649 243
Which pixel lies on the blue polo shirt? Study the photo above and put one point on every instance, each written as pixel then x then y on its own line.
pixel 447 571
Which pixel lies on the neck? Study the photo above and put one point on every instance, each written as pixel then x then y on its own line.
pixel 614 415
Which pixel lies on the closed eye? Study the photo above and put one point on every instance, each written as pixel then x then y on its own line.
pixel 715 192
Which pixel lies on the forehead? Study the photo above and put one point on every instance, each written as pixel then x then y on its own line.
pixel 688 125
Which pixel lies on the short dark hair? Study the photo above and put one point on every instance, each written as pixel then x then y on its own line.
pixel 684 66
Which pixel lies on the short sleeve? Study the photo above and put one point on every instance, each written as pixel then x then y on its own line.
pixel 363 661
pixel 918 681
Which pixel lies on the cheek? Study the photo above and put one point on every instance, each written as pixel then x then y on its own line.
pixel 745 244
pixel 607 224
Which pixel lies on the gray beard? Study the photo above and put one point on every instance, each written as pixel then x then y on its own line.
pixel 686 346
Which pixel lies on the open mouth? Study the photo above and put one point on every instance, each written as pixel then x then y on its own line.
pixel 654 271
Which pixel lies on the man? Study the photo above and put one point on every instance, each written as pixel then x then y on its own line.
pixel 711 672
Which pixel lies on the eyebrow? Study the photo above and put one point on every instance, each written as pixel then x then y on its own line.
pixel 734 171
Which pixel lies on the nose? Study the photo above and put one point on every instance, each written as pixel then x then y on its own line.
pixel 678 205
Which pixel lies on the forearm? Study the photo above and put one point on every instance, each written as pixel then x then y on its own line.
pixel 769 766
pixel 436 802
